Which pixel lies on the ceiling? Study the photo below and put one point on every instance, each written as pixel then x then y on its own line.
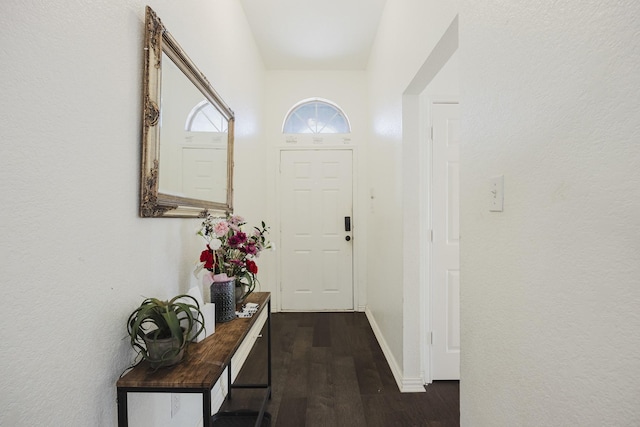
pixel 314 35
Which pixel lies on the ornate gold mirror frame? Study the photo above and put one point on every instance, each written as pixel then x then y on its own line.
pixel 171 182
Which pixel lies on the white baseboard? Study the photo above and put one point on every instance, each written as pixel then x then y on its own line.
pixel 412 385
pixel 405 385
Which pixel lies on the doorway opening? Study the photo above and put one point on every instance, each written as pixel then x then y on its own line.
pixel 436 81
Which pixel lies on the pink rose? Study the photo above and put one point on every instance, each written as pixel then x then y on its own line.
pixel 221 228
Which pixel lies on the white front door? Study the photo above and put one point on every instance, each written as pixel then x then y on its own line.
pixel 203 169
pixel 316 256
pixel 445 278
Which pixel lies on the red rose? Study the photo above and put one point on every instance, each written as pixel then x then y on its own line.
pixel 252 267
pixel 207 257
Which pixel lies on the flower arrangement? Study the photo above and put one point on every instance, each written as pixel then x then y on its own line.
pixel 232 251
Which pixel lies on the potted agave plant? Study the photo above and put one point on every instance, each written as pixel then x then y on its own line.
pixel 160 331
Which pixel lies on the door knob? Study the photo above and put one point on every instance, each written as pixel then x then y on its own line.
pixel 347 238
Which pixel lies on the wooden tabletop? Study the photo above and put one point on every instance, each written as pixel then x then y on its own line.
pixel 203 362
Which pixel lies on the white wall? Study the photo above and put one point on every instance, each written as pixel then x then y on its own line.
pixel 408 32
pixel 551 286
pixel 348 90
pixel 76 258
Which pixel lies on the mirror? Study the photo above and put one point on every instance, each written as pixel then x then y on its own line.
pixel 187 135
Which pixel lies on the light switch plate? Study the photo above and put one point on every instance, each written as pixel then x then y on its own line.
pixel 496 194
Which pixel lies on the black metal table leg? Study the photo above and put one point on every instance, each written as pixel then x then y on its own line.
pixel 122 408
pixel 206 409
pixel 269 346
pixel 229 383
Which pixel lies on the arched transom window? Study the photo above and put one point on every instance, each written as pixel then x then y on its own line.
pixel 316 116
pixel 204 117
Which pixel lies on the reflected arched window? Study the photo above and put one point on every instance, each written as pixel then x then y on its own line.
pixel 316 116
pixel 204 117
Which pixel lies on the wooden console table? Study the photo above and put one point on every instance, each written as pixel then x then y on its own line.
pixel 202 366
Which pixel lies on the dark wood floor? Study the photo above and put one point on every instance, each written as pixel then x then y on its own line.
pixel 328 370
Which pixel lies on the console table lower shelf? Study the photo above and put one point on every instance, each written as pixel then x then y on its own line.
pixel 201 368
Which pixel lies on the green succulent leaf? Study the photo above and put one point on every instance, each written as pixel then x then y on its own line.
pixel 155 318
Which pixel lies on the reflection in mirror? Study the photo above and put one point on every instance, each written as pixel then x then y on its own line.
pixel 193 153
pixel 187 159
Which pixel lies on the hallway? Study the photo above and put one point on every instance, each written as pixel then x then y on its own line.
pixel 328 370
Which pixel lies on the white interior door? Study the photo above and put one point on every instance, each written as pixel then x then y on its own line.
pixel 316 256
pixel 445 279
